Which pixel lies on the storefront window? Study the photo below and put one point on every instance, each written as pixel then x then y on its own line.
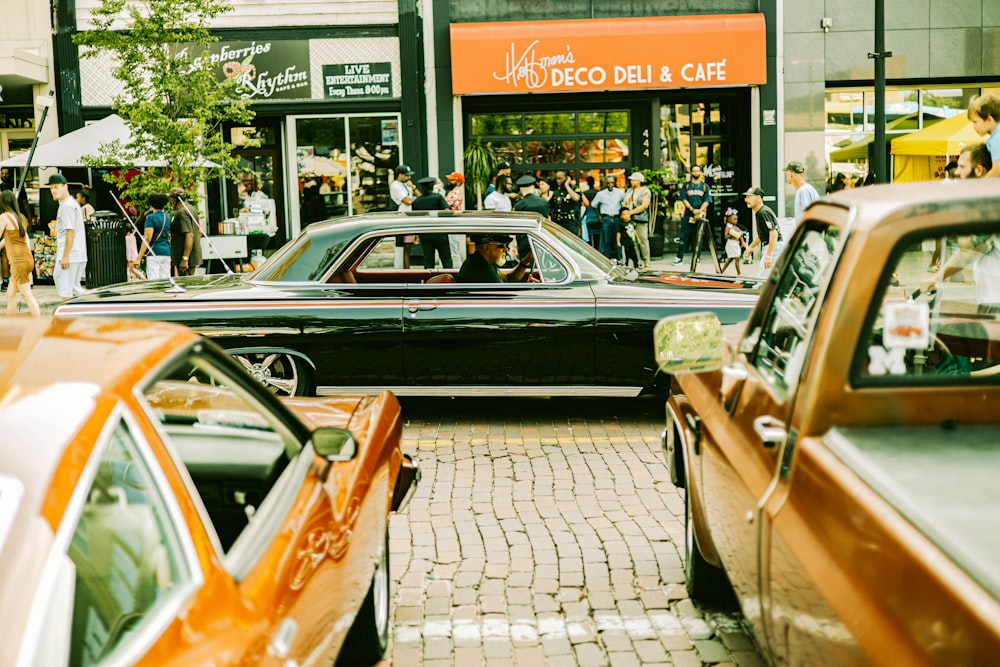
pixel 581 143
pixel 321 167
pixel 549 123
pixel 497 124
pixel 602 122
pixel 545 152
pixel 344 165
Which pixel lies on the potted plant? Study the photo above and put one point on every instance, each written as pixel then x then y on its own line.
pixel 479 161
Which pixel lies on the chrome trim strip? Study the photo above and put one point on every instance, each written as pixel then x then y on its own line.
pixel 546 391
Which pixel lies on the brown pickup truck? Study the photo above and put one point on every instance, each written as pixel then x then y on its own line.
pixel 840 451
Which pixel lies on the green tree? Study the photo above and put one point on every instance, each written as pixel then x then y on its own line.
pixel 171 98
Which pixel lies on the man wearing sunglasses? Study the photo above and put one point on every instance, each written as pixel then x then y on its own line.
pixel 491 253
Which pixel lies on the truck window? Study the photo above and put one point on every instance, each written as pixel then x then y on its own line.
pixel 936 325
pixel 784 333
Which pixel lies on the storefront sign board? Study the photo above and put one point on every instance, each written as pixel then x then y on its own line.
pixel 608 54
pixel 355 81
pixel 264 70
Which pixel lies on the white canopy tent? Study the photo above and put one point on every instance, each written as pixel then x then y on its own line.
pixel 69 150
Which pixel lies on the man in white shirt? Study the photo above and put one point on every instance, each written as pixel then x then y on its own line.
pixel 402 193
pixel 401 190
pixel 805 194
pixel 71 240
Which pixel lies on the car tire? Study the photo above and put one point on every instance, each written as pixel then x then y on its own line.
pixel 706 584
pixel 282 374
pixel 368 637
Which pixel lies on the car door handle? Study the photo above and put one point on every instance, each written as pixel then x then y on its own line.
pixel 769 430
pixel 422 305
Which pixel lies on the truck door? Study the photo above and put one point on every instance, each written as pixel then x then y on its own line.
pixel 743 452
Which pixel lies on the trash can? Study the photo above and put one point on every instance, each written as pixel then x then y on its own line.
pixel 106 263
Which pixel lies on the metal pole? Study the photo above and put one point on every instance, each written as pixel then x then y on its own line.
pixel 46 104
pixel 880 54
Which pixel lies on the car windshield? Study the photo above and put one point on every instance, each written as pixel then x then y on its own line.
pixel 302 260
pixel 574 245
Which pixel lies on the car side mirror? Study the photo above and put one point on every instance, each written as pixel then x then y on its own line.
pixel 334 444
pixel 688 343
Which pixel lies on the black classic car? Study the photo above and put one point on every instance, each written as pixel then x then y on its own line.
pixel 330 312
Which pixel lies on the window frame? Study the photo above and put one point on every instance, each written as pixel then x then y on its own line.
pixel 167 610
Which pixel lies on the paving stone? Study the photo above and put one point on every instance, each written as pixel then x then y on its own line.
pixel 711 651
pixel 590 655
pixel 544 533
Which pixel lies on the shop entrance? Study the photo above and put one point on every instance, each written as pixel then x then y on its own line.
pixel 710 131
pixel 343 164
pixel 258 188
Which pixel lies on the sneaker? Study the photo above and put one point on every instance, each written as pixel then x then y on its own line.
pixel 677 260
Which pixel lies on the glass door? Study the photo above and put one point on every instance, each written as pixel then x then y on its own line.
pixel 343 164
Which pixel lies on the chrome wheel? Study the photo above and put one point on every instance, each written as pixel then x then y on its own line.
pixel 282 374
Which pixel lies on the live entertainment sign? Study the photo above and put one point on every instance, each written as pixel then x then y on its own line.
pixel 608 54
pixel 357 80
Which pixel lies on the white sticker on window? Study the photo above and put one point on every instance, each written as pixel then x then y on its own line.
pixel 907 325
pixel 886 362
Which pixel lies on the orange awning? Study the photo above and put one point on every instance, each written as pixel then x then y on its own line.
pixel 608 54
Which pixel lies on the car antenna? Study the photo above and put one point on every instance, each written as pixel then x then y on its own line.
pixel 174 287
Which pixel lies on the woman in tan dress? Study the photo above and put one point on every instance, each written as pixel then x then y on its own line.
pixel 15 240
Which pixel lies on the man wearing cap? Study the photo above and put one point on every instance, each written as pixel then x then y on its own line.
pixel 491 252
pixel 637 202
pixel 805 194
pixel 696 198
pixel 401 190
pixel 564 206
pixel 432 201
pixel 402 195
pixel 530 200
pixel 608 205
pixel 456 202
pixel 768 232
pixel 71 240
pixel 456 191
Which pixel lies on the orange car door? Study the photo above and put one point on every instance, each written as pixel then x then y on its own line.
pixel 744 452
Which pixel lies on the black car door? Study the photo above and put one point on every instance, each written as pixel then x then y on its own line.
pixel 352 334
pixel 519 338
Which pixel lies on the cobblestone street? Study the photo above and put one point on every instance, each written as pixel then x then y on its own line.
pixel 547 532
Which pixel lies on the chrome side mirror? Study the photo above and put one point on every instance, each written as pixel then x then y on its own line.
pixel 688 343
pixel 334 444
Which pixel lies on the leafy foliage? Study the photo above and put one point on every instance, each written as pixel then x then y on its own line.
pixel 479 161
pixel 171 99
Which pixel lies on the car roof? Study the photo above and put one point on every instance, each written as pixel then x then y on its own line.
pixel 872 206
pixel 74 362
pixel 417 220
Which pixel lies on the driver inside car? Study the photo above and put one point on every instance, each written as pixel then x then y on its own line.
pixel 491 251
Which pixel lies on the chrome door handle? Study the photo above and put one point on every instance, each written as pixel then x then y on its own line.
pixel 769 430
pixel 423 305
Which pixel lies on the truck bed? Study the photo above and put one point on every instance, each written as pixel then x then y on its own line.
pixel 934 476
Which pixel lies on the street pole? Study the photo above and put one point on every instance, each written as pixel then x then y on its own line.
pixel 46 104
pixel 880 54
